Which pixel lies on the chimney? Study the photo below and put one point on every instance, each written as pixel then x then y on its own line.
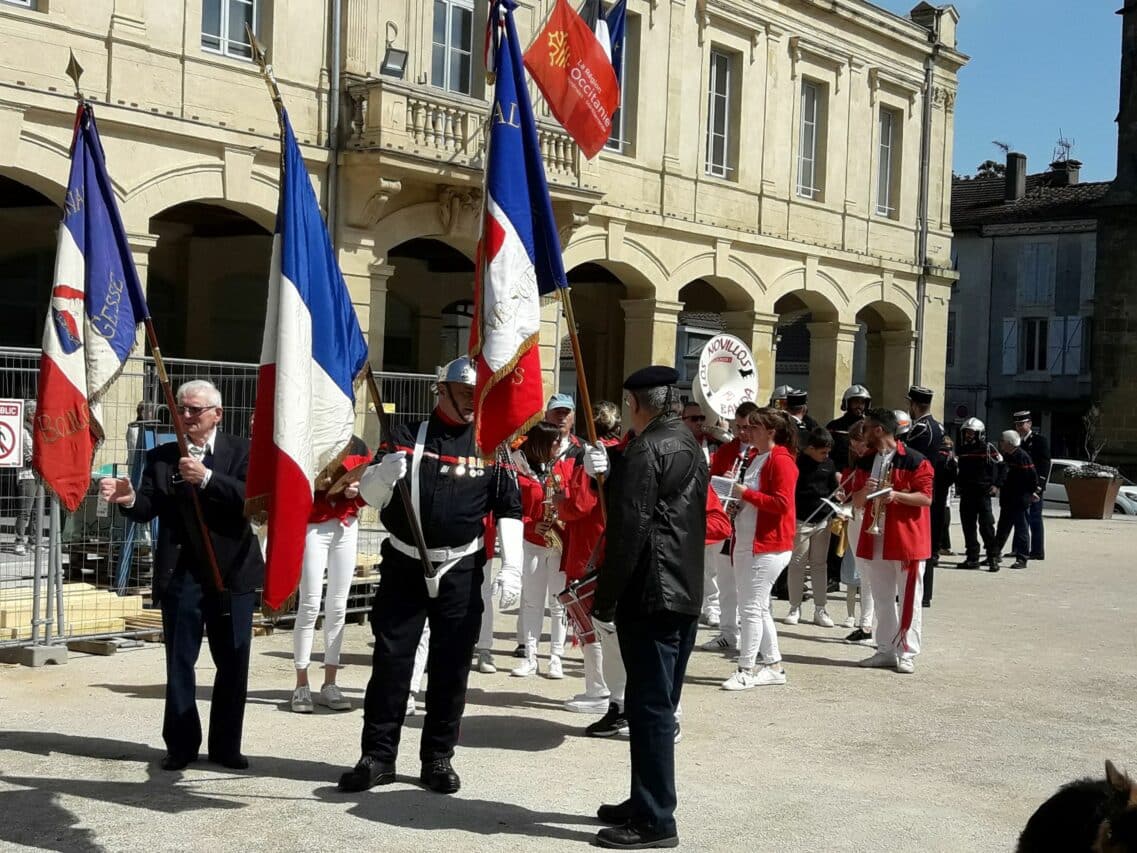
pixel 1064 173
pixel 1016 176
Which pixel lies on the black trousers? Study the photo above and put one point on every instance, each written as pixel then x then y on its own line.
pixel 655 649
pixel 975 512
pixel 1034 522
pixel 400 610
pixel 187 609
pixel 1014 516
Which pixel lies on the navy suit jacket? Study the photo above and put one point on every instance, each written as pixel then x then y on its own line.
pixel 223 505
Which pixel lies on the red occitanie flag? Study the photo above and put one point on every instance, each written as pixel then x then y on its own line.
pixel 576 77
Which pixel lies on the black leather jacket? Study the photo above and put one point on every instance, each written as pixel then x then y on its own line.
pixel 657 521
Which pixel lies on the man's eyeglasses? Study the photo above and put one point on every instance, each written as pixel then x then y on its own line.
pixel 194 411
pixel 699 418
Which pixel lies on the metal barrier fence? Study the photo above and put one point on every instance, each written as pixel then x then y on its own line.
pixel 87 574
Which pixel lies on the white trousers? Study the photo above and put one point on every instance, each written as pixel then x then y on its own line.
pixel 485 635
pixel 594 683
pixel 811 550
pixel 331 545
pixel 711 562
pixel 887 581
pixel 541 581
pixel 730 567
pixel 867 610
pixel 758 633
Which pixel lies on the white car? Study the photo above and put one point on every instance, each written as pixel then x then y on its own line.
pixel 1055 495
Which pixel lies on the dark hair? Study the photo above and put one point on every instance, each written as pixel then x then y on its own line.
pixel 606 419
pixel 539 443
pixel 885 418
pixel 819 438
pixel 778 423
pixel 691 403
pixel 745 409
pixel 856 433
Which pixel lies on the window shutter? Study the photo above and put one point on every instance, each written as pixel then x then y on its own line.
pixel 1073 346
pixel 1047 271
pixel 1089 269
pixel 1010 346
pixel 1055 342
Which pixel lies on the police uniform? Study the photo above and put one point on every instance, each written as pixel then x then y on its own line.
pixel 454 492
pixel 1038 449
pixel 805 424
pixel 980 473
pixel 839 429
pixel 925 437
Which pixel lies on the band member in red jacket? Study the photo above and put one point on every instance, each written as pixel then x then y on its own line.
pixel 895 539
pixel 765 529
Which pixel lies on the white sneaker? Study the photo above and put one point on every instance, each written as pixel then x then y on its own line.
pixel 717 644
pixel 883 659
pixel 585 704
pixel 770 675
pixel 525 669
pixel 412 708
pixel 743 679
pixel 555 670
pixel 851 622
pixel 485 662
pixel 332 697
pixel 905 665
pixel 302 700
pixel 794 616
pixel 821 618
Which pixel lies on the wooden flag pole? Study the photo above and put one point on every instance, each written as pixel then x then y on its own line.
pixel 582 386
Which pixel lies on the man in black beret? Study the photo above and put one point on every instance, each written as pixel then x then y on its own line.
pixel 651 585
pixel 925 436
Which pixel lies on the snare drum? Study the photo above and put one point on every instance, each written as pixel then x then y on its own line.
pixel 577 599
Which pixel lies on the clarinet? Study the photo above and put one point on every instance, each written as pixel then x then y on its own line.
pixel 740 467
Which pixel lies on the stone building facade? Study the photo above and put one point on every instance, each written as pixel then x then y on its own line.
pixel 765 173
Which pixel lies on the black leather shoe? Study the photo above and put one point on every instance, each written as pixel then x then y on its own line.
pixel 178 762
pixel 234 760
pixel 368 773
pixel 629 837
pixel 440 777
pixel 616 815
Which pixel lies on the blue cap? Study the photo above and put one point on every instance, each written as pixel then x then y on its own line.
pixel 561 401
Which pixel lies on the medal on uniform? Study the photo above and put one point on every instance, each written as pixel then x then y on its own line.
pixel 460 468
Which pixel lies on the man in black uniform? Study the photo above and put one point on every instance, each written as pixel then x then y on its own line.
pixel 651 584
pixel 1015 496
pixel 1038 449
pixel 453 491
pixel 980 475
pixel 926 436
pixel 796 404
pixel 854 403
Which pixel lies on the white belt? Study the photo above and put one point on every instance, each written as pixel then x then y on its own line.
pixel 439 555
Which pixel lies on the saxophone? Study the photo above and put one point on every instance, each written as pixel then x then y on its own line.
pixel 552 485
pixel 879 507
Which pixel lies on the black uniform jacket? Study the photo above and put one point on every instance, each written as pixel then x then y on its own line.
pixel 223 505
pixel 657 518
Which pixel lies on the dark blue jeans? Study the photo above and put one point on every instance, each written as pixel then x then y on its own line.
pixel 655 649
pixel 1037 540
pixel 1013 516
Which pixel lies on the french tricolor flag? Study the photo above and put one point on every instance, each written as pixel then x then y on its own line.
pixel 97 311
pixel 313 351
pixel 519 256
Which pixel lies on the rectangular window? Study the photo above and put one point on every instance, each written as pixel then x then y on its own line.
pixel 1035 344
pixel 27 4
pixel 811 140
pixel 951 339
pixel 451 59
pixel 623 120
pixel 718 161
pixel 223 26
pixel 887 177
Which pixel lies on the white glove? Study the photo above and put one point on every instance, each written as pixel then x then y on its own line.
pixel 378 481
pixel 507 584
pixel 595 460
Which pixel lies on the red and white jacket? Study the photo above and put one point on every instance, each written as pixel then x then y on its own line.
pixel 907 529
pixel 326 508
pixel 774 498
pixel 533 494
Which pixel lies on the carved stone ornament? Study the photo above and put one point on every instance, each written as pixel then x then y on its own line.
pixel 459 209
pixel 385 189
pixel 943 99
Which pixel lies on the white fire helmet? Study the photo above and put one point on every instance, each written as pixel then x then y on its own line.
pixel 855 391
pixel 976 426
pixel 460 370
pixel 903 422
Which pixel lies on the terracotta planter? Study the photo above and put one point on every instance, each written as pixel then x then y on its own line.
pixel 1092 497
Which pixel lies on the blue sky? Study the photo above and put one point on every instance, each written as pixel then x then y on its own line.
pixel 1037 67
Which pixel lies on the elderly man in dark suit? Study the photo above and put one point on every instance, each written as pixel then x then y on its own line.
pixel 184 585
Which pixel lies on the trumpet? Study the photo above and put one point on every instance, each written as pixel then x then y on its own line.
pixel 879 507
pixel 552 485
pixel 734 504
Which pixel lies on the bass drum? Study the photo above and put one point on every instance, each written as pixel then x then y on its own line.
pixel 727 378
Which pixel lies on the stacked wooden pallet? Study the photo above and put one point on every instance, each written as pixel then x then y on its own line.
pixel 86 611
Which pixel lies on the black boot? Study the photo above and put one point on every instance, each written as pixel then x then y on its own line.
pixel 616 815
pixel 439 776
pixel 631 837
pixel 368 773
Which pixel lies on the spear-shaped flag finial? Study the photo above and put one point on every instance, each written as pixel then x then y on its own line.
pixel 75 71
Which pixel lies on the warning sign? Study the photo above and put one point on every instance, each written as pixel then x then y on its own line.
pixel 11 433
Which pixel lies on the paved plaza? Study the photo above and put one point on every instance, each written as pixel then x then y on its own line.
pixel 1028 680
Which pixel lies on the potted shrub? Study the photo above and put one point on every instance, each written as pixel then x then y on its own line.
pixel 1092 488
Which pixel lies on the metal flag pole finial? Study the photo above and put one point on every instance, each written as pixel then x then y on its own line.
pixel 75 71
pixel 261 59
